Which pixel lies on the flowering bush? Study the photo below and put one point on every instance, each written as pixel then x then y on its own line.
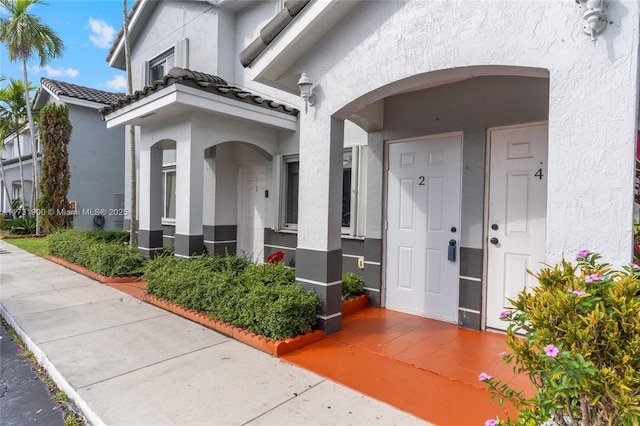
pixel 276 257
pixel 581 346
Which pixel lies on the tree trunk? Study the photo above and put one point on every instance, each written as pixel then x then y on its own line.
pixel 34 145
pixel 133 240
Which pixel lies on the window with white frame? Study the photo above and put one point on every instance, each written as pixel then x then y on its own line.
pixel 169 194
pixel 291 183
pixel 292 173
pixel 347 162
pixel 160 66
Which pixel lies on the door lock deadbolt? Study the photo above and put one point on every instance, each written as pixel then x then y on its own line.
pixel 494 226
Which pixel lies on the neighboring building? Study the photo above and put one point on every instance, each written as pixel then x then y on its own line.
pixel 96 156
pixel 491 136
pixel 10 158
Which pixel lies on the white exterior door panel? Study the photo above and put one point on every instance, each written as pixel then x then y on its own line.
pixel 251 223
pixel 517 214
pixel 423 216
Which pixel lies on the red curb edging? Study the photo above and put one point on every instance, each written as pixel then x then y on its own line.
pixel 354 304
pixel 276 348
pixel 89 273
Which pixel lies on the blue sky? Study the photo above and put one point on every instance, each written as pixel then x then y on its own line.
pixel 87 28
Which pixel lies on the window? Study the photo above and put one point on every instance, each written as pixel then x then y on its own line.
pixel 169 194
pixel 347 161
pixel 291 210
pixel 160 66
pixel 292 172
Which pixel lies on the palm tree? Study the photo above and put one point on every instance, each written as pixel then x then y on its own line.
pixel 13 108
pixel 25 37
pixel 132 132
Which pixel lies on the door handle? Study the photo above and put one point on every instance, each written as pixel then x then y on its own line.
pixel 494 241
pixel 451 255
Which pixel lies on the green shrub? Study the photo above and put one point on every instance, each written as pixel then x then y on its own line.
pixel 260 298
pixel 279 311
pixel 115 237
pixel 3 221
pixel 89 249
pixel 22 225
pixel 269 274
pixel 581 348
pixel 352 285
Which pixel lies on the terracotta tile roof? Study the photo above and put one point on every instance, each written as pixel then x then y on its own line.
pixel 271 30
pixel 201 81
pixel 60 88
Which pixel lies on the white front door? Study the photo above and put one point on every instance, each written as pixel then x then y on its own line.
pixel 423 217
pixel 251 212
pixel 517 213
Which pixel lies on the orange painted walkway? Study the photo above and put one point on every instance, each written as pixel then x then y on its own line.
pixel 424 367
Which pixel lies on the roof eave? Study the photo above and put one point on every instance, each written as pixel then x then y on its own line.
pixel 274 65
pixel 181 97
pixel 115 58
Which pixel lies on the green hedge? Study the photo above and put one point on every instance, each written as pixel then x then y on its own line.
pixel 103 252
pixel 352 285
pixel 263 299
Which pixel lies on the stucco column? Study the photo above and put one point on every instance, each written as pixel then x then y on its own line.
pixel 319 253
pixel 375 207
pixel 150 208
pixel 189 240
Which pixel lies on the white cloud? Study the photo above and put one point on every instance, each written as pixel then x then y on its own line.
pixel 118 82
pixel 101 33
pixel 55 72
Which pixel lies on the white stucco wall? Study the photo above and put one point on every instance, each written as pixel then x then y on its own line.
pixel 386 47
pixel 172 21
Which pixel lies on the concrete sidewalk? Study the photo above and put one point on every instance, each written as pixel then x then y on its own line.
pixel 125 362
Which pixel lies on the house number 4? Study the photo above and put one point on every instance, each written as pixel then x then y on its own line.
pixel 539 174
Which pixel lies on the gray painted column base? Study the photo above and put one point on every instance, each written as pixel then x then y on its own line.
pixel 188 245
pixel 330 325
pixel 321 272
pixel 149 242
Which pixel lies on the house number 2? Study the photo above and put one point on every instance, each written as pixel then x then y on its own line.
pixel 421 181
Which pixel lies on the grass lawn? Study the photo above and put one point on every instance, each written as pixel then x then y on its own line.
pixel 37 246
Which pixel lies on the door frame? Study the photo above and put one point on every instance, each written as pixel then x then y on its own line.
pixel 485 219
pixel 385 203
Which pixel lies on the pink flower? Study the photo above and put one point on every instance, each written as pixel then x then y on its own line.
pixel 484 376
pixel 583 253
pixel 635 266
pixel 504 314
pixel 578 292
pixel 593 277
pixel 503 353
pixel 551 351
pixel 491 422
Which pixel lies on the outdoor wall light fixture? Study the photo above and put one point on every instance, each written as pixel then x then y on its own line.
pixel 305 91
pixel 594 20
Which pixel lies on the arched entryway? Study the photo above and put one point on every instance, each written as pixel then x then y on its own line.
pixel 445 266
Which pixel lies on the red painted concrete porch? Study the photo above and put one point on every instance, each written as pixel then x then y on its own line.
pixel 422 366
